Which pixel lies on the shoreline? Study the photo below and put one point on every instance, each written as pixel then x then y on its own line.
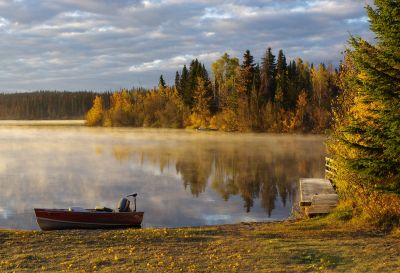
pixel 81 123
pixel 61 122
pixel 311 245
pixel 179 227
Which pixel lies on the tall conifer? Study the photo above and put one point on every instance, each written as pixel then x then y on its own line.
pixel 267 71
pixel 370 137
pixel 281 78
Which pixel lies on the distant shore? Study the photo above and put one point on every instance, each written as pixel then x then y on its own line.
pixel 76 122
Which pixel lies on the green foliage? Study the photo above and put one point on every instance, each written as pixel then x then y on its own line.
pixel 186 83
pixel 366 139
pixel 161 83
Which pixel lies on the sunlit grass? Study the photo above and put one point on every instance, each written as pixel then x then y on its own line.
pixel 325 244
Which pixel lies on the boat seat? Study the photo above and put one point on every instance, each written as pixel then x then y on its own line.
pixel 77 209
pixel 105 209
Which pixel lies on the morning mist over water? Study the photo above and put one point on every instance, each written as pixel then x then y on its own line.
pixel 183 178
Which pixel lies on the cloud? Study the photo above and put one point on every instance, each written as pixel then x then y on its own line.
pixel 104 45
pixel 173 63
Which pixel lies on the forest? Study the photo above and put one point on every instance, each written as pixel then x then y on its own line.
pixel 47 104
pixel 270 96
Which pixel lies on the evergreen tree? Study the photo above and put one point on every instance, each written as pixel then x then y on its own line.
pixel 268 76
pixel 256 101
pixel 293 91
pixel 374 128
pixel 161 83
pixel 177 82
pixel 281 79
pixel 184 85
pixel 244 88
pixel 247 74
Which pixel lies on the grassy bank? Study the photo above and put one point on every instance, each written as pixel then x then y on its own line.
pixel 302 246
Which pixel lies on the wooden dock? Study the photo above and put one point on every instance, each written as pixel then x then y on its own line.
pixel 317 196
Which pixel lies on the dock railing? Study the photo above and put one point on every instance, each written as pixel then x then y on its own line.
pixel 330 169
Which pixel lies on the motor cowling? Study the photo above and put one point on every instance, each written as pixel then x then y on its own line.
pixel 123 205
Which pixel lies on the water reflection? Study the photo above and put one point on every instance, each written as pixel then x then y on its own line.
pixel 182 177
pixel 253 169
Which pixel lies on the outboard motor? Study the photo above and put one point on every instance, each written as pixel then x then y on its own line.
pixel 123 205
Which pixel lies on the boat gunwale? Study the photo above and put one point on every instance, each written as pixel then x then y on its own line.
pixel 93 211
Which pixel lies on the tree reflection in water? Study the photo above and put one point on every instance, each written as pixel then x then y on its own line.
pixel 253 171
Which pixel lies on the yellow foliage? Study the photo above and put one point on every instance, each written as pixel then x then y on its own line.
pixel 366 111
pixel 95 115
pixel 225 121
pixel 198 121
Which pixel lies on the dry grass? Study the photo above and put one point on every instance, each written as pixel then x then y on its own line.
pixel 318 245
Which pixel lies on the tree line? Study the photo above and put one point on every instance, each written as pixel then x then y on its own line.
pixel 47 104
pixel 272 96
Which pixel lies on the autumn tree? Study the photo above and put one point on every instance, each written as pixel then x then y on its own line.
pixel 94 116
pixel 202 99
pixel 121 110
pixel 226 72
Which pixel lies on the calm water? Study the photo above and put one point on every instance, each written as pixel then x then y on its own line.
pixel 183 178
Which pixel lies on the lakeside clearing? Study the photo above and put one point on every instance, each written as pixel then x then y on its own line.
pixel 315 245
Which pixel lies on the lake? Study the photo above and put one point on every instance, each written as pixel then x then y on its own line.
pixel 182 177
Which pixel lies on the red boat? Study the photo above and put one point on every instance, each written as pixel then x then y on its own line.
pixel 99 218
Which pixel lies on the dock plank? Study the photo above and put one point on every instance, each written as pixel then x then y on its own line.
pixel 317 196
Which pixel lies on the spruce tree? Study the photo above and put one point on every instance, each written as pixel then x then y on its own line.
pixel 281 78
pixel 370 135
pixel 184 85
pixel 267 71
pixel 177 82
pixel 161 83
pixel 247 74
pixel 244 88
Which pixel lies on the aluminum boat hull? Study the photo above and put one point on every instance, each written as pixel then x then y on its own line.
pixel 57 219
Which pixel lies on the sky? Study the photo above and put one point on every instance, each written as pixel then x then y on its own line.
pixel 103 45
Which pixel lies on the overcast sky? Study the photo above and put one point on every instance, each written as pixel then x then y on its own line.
pixel 106 45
